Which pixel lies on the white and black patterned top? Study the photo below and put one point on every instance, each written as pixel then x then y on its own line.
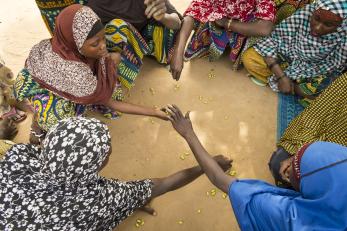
pixel 58 187
pixel 309 56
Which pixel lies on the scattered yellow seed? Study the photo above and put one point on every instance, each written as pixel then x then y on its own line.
pixel 186 153
pixel 198 211
pixel 152 91
pixel 177 87
pixel 201 98
pixel 139 223
pixel 182 157
pixel 232 173
pixel 207 193
pixel 152 121
pixel 205 102
pixel 224 195
pixel 155 107
pixel 180 222
pixel 213 192
pixel 226 117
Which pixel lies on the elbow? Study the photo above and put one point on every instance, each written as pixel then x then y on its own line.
pixel 267 29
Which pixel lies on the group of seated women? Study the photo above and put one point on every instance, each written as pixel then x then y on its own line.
pixel 96 51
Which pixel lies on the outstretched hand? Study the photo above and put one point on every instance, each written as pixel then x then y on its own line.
pixel 224 162
pixel 180 122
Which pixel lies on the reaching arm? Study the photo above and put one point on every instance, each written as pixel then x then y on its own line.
pixel 256 28
pixel 129 108
pixel 214 172
pixel 176 64
pixel 184 177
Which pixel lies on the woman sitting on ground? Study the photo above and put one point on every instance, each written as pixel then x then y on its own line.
pixel 218 25
pixel 65 74
pixel 317 173
pixel 58 187
pixel 137 28
pixel 305 53
pixel 325 119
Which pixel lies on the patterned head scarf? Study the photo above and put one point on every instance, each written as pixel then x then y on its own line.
pixel 58 65
pixel 338 7
pixel 74 150
pixel 58 187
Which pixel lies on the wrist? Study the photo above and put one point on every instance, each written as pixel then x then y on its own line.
pixel 189 135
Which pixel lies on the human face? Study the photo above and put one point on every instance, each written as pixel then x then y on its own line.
pixel 324 22
pixel 95 47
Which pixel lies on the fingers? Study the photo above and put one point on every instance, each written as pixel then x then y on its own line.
pixel 177 110
pixel 187 115
pixel 149 210
pixel 154 7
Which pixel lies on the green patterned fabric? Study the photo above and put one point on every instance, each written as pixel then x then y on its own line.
pixel 51 8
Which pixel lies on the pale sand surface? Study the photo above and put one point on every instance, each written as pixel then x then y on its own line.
pixel 239 120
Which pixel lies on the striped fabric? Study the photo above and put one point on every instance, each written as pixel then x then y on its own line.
pixel 325 119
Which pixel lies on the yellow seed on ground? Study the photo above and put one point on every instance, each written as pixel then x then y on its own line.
pixel 182 157
pixel 232 173
pixel 186 153
pixel 152 121
pixel 207 193
pixel 177 87
pixel 198 211
pixel 180 222
pixel 142 222
pixel 226 117
pixel 155 107
pixel 205 102
pixel 200 98
pixel 137 225
pixel 224 195
pixel 152 90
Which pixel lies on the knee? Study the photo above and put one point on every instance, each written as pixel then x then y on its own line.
pixel 247 59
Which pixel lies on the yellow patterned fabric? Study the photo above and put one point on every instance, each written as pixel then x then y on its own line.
pixel 325 119
pixel 5 145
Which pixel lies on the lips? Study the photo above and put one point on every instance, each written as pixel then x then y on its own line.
pixel 314 34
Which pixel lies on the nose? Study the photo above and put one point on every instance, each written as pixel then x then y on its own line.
pixel 103 45
pixel 318 27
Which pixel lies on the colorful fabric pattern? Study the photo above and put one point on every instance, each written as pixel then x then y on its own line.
pixel 51 8
pixel 210 40
pixel 154 40
pixel 213 10
pixel 308 55
pixel 50 108
pixel 324 119
pixel 256 66
pixel 58 186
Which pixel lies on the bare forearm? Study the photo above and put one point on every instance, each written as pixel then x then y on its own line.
pixel 256 28
pixel 129 108
pixel 171 21
pixel 213 171
pixel 175 181
pixel 187 27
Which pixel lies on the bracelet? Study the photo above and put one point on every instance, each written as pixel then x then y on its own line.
pixel 229 24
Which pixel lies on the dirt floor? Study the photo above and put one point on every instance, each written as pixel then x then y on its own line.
pixel 231 115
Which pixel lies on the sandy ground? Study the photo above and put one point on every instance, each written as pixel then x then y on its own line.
pixel 238 119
